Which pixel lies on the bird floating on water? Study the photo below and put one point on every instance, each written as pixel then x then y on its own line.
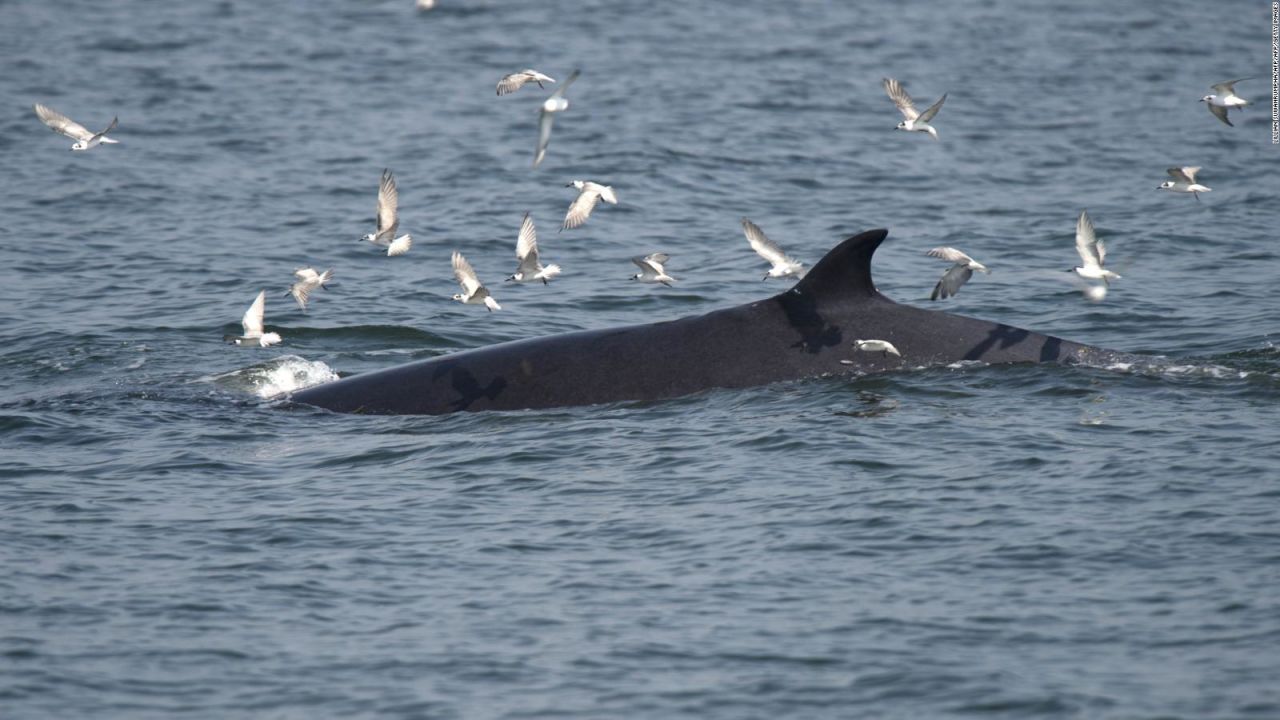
pixel 84 139
pixel 388 222
pixel 880 346
pixel 557 103
pixel 252 324
pixel 308 281
pixel 957 275
pixel 782 264
pixel 1092 254
pixel 530 267
pixel 517 80
pixel 652 269
pixel 914 120
pixel 473 293
pixel 589 195
pixel 1184 180
pixel 1224 98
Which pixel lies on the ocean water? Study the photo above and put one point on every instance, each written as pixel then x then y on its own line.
pixel 1005 542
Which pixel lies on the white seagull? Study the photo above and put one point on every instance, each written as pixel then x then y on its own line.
pixel 252 323
pixel 546 115
pixel 517 80
pixel 530 268
pixel 652 269
pixel 914 120
pixel 769 250
pixel 473 293
pixel 1184 180
pixel 589 195
pixel 1224 97
pixel 388 223
pixel 62 124
pixel 308 281
pixel 957 275
pixel 1092 253
pixel 880 346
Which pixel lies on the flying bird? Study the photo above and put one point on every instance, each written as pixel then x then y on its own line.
pixel 546 115
pixel 84 139
pixel 782 265
pixel 517 80
pixel 881 346
pixel 308 281
pixel 955 276
pixel 652 269
pixel 530 267
pixel 914 120
pixel 473 293
pixel 1184 180
pixel 252 323
pixel 388 222
pixel 589 195
pixel 1224 98
pixel 1092 253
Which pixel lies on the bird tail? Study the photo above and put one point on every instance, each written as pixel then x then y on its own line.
pixel 326 276
pixel 492 304
pixel 108 140
pixel 400 245
pixel 550 271
pixel 270 339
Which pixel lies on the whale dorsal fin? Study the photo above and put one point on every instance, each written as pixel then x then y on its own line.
pixel 846 270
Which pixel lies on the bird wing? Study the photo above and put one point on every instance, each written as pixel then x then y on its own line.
pixel 527 246
pixel 545 119
pixel 950 254
pixel 301 292
pixel 1180 174
pixel 933 109
pixel 388 201
pixel 763 246
pixel 465 274
pixel 114 122
pixel 252 320
pixel 307 274
pixel 1224 89
pixel 565 85
pixel 901 99
pixel 1190 173
pixel 1220 112
pixel 512 82
pixel 1092 251
pixel 951 281
pixel 63 124
pixel 651 263
pixel 581 209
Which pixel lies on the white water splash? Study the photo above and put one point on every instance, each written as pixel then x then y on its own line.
pixel 276 377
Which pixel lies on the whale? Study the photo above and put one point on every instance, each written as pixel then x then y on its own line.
pixel 808 331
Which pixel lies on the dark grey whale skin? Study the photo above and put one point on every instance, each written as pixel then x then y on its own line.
pixel 804 332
